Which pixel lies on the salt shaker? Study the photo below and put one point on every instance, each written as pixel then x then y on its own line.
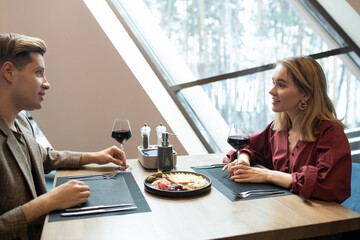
pixel 145 134
pixel 159 130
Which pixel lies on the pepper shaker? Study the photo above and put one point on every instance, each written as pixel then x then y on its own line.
pixel 145 134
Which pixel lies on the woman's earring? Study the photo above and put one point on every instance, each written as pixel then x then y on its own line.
pixel 302 105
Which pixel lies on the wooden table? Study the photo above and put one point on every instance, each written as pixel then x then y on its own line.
pixel 209 216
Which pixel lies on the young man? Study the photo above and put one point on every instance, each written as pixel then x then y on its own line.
pixel 24 201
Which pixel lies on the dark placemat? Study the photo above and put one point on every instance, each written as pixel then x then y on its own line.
pixel 226 186
pixel 121 189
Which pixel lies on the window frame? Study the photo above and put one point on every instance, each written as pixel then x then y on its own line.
pixel 344 42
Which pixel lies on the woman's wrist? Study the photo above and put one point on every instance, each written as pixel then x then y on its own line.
pixel 279 178
pixel 244 157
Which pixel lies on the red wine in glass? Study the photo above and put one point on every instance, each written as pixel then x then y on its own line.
pixel 121 132
pixel 121 135
pixel 238 137
pixel 238 141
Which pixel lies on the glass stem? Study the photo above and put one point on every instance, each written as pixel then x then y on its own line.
pixel 237 156
pixel 122 147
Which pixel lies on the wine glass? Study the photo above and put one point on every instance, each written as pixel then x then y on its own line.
pixel 121 132
pixel 238 137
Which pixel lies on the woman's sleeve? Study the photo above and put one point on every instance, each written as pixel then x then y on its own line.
pixel 330 178
pixel 259 148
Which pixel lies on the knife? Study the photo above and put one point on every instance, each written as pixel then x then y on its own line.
pixel 97 211
pixel 97 207
pixel 213 165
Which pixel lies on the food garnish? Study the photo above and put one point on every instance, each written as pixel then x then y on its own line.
pixel 176 181
pixel 156 176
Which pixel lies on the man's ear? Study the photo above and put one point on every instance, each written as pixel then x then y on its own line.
pixel 7 71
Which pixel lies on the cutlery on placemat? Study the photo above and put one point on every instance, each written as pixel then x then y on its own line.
pixel 96 211
pixel 257 193
pixel 97 207
pixel 95 176
pixel 88 176
pixel 213 165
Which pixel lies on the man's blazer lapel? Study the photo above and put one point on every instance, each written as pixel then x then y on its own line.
pixel 34 152
pixel 18 156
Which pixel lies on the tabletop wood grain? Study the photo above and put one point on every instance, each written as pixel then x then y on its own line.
pixel 209 216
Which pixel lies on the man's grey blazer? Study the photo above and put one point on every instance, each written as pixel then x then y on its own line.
pixel 20 183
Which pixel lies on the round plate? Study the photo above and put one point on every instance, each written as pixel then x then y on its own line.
pixel 178 194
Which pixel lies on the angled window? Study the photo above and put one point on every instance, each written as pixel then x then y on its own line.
pixel 215 57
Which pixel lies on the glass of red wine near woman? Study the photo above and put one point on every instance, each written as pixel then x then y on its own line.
pixel 121 132
pixel 238 137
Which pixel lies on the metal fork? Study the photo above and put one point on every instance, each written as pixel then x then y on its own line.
pixel 97 177
pixel 257 193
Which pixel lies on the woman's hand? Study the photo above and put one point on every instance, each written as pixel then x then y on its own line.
pixel 244 159
pixel 110 155
pixel 243 173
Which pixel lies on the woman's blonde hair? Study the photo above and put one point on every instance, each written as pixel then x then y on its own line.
pixel 16 48
pixel 309 77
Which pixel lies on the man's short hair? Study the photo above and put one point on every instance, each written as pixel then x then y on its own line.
pixel 16 48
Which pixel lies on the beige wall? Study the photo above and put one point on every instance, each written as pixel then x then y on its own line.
pixel 90 83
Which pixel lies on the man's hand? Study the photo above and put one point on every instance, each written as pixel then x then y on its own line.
pixel 64 196
pixel 69 194
pixel 112 154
